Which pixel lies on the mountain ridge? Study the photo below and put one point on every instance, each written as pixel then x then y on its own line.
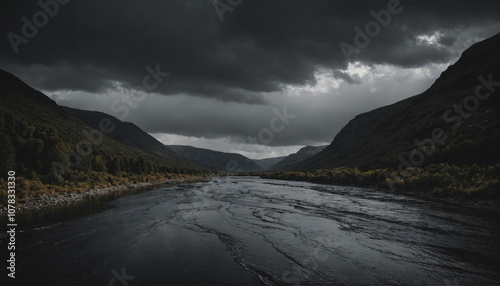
pixel 47 145
pixel 216 160
pixel 376 139
pixel 295 158
pixel 127 133
pixel 267 163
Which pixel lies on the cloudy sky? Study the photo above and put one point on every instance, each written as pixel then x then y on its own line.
pixel 261 78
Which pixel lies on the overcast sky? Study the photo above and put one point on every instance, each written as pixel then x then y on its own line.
pixel 261 78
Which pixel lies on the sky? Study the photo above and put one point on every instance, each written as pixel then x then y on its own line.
pixel 259 78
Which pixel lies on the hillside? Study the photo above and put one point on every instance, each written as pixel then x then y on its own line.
pixel 215 160
pixel 128 133
pixel 268 162
pixel 46 145
pixel 295 158
pixel 468 124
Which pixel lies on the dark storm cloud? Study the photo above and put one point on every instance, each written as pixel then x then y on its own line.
pixel 447 41
pixel 260 46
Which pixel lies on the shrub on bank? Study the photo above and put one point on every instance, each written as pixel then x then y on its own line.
pixel 439 179
pixel 81 182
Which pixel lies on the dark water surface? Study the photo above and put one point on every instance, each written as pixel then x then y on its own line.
pixel 246 230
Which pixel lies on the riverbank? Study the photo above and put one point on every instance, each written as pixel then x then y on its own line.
pixel 39 202
pixel 440 180
pixel 476 202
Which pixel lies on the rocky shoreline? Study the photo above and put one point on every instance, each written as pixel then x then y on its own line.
pixel 48 201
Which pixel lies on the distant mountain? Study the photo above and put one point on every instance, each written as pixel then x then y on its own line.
pixel 459 125
pixel 42 141
pixel 295 158
pixel 127 133
pixel 268 162
pixel 215 160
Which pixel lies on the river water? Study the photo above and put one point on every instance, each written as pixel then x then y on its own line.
pixel 247 230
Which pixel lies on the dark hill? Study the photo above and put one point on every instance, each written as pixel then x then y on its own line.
pixel 215 160
pixel 42 141
pixel 295 158
pixel 127 133
pixel 268 162
pixel 377 138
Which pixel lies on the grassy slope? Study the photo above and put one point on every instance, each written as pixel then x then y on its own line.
pixel 35 132
pixel 130 135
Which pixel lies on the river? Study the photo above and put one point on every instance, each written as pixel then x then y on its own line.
pixel 247 231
